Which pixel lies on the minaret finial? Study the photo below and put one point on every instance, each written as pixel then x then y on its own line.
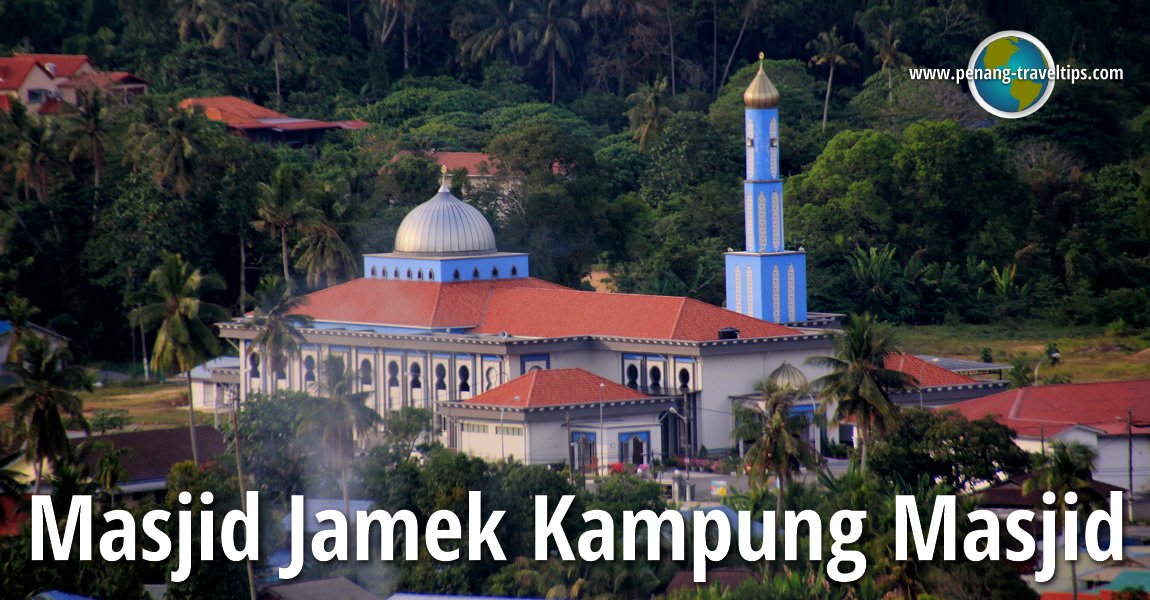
pixel 443 179
pixel 762 55
pixel 761 93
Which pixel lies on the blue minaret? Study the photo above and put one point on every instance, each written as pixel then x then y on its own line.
pixel 765 280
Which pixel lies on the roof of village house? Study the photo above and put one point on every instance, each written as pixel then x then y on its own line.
pixel 104 79
pixel 15 69
pixel 555 387
pixel 238 113
pixel 153 452
pixel 335 588
pixel 927 373
pixel 475 163
pixel 66 65
pixel 1008 493
pixel 1049 409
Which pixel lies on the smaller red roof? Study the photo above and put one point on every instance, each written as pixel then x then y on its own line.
pixel 64 65
pixel 104 79
pixel 555 387
pixel 1050 409
pixel 927 373
pixel 15 69
pixel 475 163
pixel 231 110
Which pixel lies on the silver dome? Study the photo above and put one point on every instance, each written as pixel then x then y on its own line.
pixel 445 225
pixel 788 377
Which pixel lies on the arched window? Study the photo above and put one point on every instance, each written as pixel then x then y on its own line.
pixel 431 274
pixel 632 376
pixel 440 377
pixel 684 379
pixel 393 374
pixel 409 273
pixel 490 377
pixel 494 272
pixel 455 275
pixel 365 372
pixel 656 377
pixel 395 274
pixel 514 271
pixel 383 273
pixel 254 361
pixel 475 273
pixel 374 273
pixel 464 375
pixel 309 369
pixel 416 371
pixel 419 275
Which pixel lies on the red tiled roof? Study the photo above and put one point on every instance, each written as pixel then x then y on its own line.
pixel 475 163
pixel 66 64
pixel 927 373
pixel 564 312
pixel 153 452
pixel 15 69
pixel 231 110
pixel 555 387
pixel 409 303
pixel 241 114
pixel 351 124
pixel 104 79
pixel 1049 409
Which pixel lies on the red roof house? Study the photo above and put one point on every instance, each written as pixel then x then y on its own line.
pixel 1113 418
pixel 261 124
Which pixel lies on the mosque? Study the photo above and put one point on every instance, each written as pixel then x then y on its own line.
pixel 514 366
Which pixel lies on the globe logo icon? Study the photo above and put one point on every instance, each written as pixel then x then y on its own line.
pixel 1013 72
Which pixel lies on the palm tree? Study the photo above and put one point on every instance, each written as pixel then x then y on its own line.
pixel 885 43
pixel 278 23
pixel 30 155
pixel 88 129
pixel 278 336
pixel 283 208
pixel 859 384
pixel 648 113
pixel 324 255
pixel 750 11
pixel 550 33
pixel 19 312
pixel 168 141
pixel 45 387
pixel 494 19
pixel 619 19
pixel 1067 468
pixel 830 50
pixel 184 337
pixel 338 417
pixel 778 447
pixel 231 20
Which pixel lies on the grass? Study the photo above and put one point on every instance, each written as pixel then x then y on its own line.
pixel 1088 353
pixel 152 406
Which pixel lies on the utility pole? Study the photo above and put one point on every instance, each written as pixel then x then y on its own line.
pixel 570 450
pixel 243 485
pixel 1130 464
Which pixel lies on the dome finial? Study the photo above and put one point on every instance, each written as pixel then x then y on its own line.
pixel 444 179
pixel 761 93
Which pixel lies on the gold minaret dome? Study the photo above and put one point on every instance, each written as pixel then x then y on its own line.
pixel 761 93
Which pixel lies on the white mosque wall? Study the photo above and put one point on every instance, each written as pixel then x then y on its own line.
pixel 730 375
